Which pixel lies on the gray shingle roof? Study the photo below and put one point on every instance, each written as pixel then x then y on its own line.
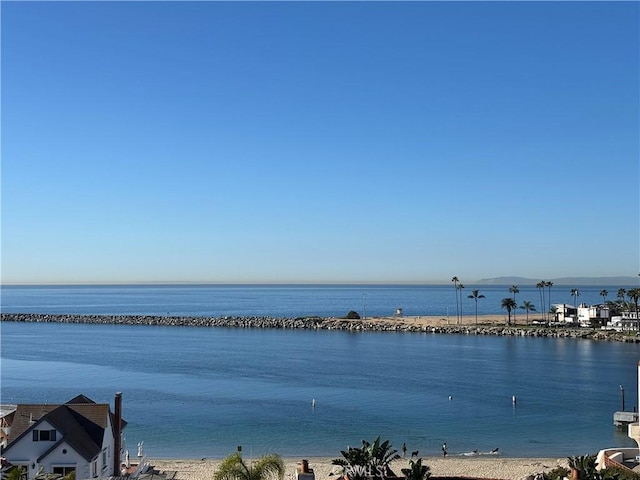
pixel 81 423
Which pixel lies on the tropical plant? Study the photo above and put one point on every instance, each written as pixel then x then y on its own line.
pixel 548 284
pixel 583 467
pixel 383 454
pixel 370 460
pixel 416 470
pixel 15 473
pixel 267 467
pixel 558 473
pixel 540 286
pixel 460 287
pixel 603 294
pixel 509 305
pixel 575 293
pixel 455 285
pixel 527 306
pixel 475 295
pixel 634 296
pixel 514 289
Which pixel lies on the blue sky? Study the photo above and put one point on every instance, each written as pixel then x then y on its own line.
pixel 319 141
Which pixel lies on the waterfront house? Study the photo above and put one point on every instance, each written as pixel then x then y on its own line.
pixel 79 436
pixel 583 315
pixel 565 314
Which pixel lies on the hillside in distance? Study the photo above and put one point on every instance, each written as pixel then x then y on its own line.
pixel 572 281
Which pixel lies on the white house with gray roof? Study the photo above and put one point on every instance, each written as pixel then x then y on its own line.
pixel 79 435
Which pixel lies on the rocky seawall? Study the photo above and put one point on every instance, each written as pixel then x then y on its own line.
pixel 319 323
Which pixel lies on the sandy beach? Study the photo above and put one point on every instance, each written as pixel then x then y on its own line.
pixel 438 321
pixel 489 467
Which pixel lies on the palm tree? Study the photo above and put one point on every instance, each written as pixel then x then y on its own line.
pixel 540 285
pixel 372 459
pixel 15 473
pixel 455 284
pixel 510 305
pixel 549 285
pixel 621 293
pixel 382 454
pixel 460 287
pixel 634 296
pixel 416 471
pixel 514 289
pixel 265 468
pixel 575 293
pixel 475 296
pixel 603 294
pixel 527 306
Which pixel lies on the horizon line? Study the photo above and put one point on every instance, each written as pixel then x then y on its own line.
pixel 601 280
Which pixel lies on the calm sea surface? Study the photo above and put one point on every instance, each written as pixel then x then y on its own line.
pixel 201 392
pixel 282 300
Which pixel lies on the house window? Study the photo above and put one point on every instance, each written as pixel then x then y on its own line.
pixel 104 459
pixel 63 470
pixel 44 435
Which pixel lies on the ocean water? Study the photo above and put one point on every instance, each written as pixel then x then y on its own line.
pixel 200 392
pixel 281 300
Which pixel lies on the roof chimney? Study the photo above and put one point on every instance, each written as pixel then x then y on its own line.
pixel 117 430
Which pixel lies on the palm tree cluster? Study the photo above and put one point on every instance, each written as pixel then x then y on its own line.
pixel 510 304
pixel 620 305
pixel 372 460
pixel 267 467
pixel 541 286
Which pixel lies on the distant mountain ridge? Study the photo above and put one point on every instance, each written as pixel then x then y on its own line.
pixel 621 281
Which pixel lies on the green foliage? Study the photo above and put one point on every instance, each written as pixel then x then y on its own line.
pixel 622 474
pixel 585 465
pixel 266 467
pixel 510 305
pixel 558 473
pixel 416 471
pixel 352 315
pixel 369 461
pixel 16 473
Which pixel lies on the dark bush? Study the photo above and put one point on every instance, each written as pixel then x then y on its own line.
pixel 353 315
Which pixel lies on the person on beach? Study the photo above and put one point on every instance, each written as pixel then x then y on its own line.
pixel 404 449
pixel 444 449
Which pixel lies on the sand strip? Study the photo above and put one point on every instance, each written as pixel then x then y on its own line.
pixel 480 467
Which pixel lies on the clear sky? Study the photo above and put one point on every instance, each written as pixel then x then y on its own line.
pixel 319 141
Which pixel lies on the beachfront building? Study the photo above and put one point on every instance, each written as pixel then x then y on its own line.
pixel 583 315
pixel 79 436
pixel 565 314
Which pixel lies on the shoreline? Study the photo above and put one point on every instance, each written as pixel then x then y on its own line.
pixel 469 324
pixel 487 467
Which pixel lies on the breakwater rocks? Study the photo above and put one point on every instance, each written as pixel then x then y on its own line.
pixel 320 323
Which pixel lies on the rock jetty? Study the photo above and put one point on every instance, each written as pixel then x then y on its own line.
pixel 320 323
